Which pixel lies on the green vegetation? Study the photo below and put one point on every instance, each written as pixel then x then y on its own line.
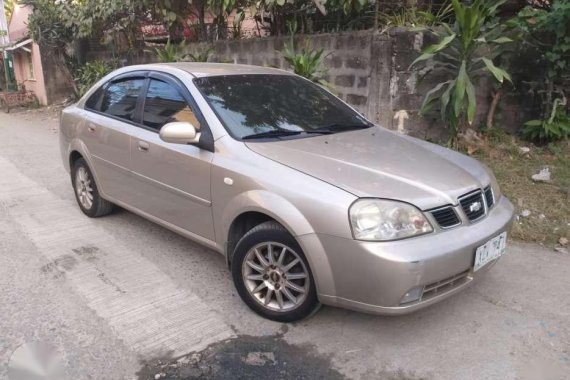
pixel 201 56
pixel 554 128
pixel 91 73
pixel 464 52
pixel 171 52
pixel 546 47
pixel 307 63
pixel 414 17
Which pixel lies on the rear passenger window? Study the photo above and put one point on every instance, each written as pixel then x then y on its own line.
pixel 165 104
pixel 120 98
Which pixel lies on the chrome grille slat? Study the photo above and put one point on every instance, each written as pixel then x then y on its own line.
pixel 467 201
pixel 446 217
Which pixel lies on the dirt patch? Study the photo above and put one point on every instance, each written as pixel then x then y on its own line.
pixel 542 209
pixel 245 357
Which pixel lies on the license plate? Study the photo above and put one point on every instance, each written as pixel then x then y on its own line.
pixel 491 250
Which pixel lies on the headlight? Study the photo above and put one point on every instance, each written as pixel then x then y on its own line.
pixel 381 220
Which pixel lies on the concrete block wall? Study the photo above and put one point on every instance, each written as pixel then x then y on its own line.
pixel 369 70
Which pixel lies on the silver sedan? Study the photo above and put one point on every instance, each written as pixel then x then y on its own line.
pixel 308 201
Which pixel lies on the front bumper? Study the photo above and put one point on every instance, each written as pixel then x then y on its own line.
pixel 373 277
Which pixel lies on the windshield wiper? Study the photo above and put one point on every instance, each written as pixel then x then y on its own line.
pixel 340 128
pixel 273 133
pixel 322 131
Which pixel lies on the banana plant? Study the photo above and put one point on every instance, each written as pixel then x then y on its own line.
pixel 465 52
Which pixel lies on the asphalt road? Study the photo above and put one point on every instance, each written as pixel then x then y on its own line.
pixel 122 298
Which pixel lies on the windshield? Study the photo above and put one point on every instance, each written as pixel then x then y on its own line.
pixel 275 106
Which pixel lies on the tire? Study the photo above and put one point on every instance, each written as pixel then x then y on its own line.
pixel 86 191
pixel 292 297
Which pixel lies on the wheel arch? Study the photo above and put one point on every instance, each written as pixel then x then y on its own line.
pixel 264 206
pixel 74 155
pixel 77 149
pixel 255 207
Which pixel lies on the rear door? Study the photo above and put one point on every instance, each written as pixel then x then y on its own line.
pixel 172 181
pixel 111 113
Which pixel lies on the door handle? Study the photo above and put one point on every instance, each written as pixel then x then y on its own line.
pixel 143 146
pixel 91 128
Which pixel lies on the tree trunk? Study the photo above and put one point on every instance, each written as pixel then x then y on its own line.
pixel 493 108
pixel 376 11
pixel 63 61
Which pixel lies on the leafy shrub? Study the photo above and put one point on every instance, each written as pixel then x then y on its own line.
pixel 173 53
pixel 169 53
pixel 307 63
pixel 555 128
pixel 412 16
pixel 465 52
pixel 202 56
pixel 546 38
pixel 91 73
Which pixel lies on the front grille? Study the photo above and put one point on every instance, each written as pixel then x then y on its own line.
pixel 446 217
pixel 444 286
pixel 472 205
pixel 489 197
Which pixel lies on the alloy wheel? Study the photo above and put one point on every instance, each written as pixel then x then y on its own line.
pixel 276 276
pixel 83 188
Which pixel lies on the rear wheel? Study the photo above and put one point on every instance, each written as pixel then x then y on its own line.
pixel 272 275
pixel 86 192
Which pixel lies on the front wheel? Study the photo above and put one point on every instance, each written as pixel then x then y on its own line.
pixel 272 275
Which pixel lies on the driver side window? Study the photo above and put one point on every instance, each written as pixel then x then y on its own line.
pixel 165 104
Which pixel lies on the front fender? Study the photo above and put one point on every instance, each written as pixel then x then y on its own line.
pixel 292 219
pixel 267 203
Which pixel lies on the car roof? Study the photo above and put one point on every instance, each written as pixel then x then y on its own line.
pixel 199 69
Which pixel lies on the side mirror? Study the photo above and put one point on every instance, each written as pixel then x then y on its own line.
pixel 179 132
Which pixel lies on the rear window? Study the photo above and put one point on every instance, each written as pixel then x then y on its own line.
pixel 120 98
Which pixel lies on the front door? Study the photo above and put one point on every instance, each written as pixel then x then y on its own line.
pixel 171 181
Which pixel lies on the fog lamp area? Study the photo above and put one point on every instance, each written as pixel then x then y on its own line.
pixel 412 295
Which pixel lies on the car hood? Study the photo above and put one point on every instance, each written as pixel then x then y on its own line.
pixel 379 163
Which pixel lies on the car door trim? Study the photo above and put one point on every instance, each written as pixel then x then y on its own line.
pixel 109 163
pixel 174 190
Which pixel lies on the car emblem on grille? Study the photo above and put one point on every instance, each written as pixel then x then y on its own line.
pixel 475 206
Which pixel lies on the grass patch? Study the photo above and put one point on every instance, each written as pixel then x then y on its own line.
pixel 549 203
